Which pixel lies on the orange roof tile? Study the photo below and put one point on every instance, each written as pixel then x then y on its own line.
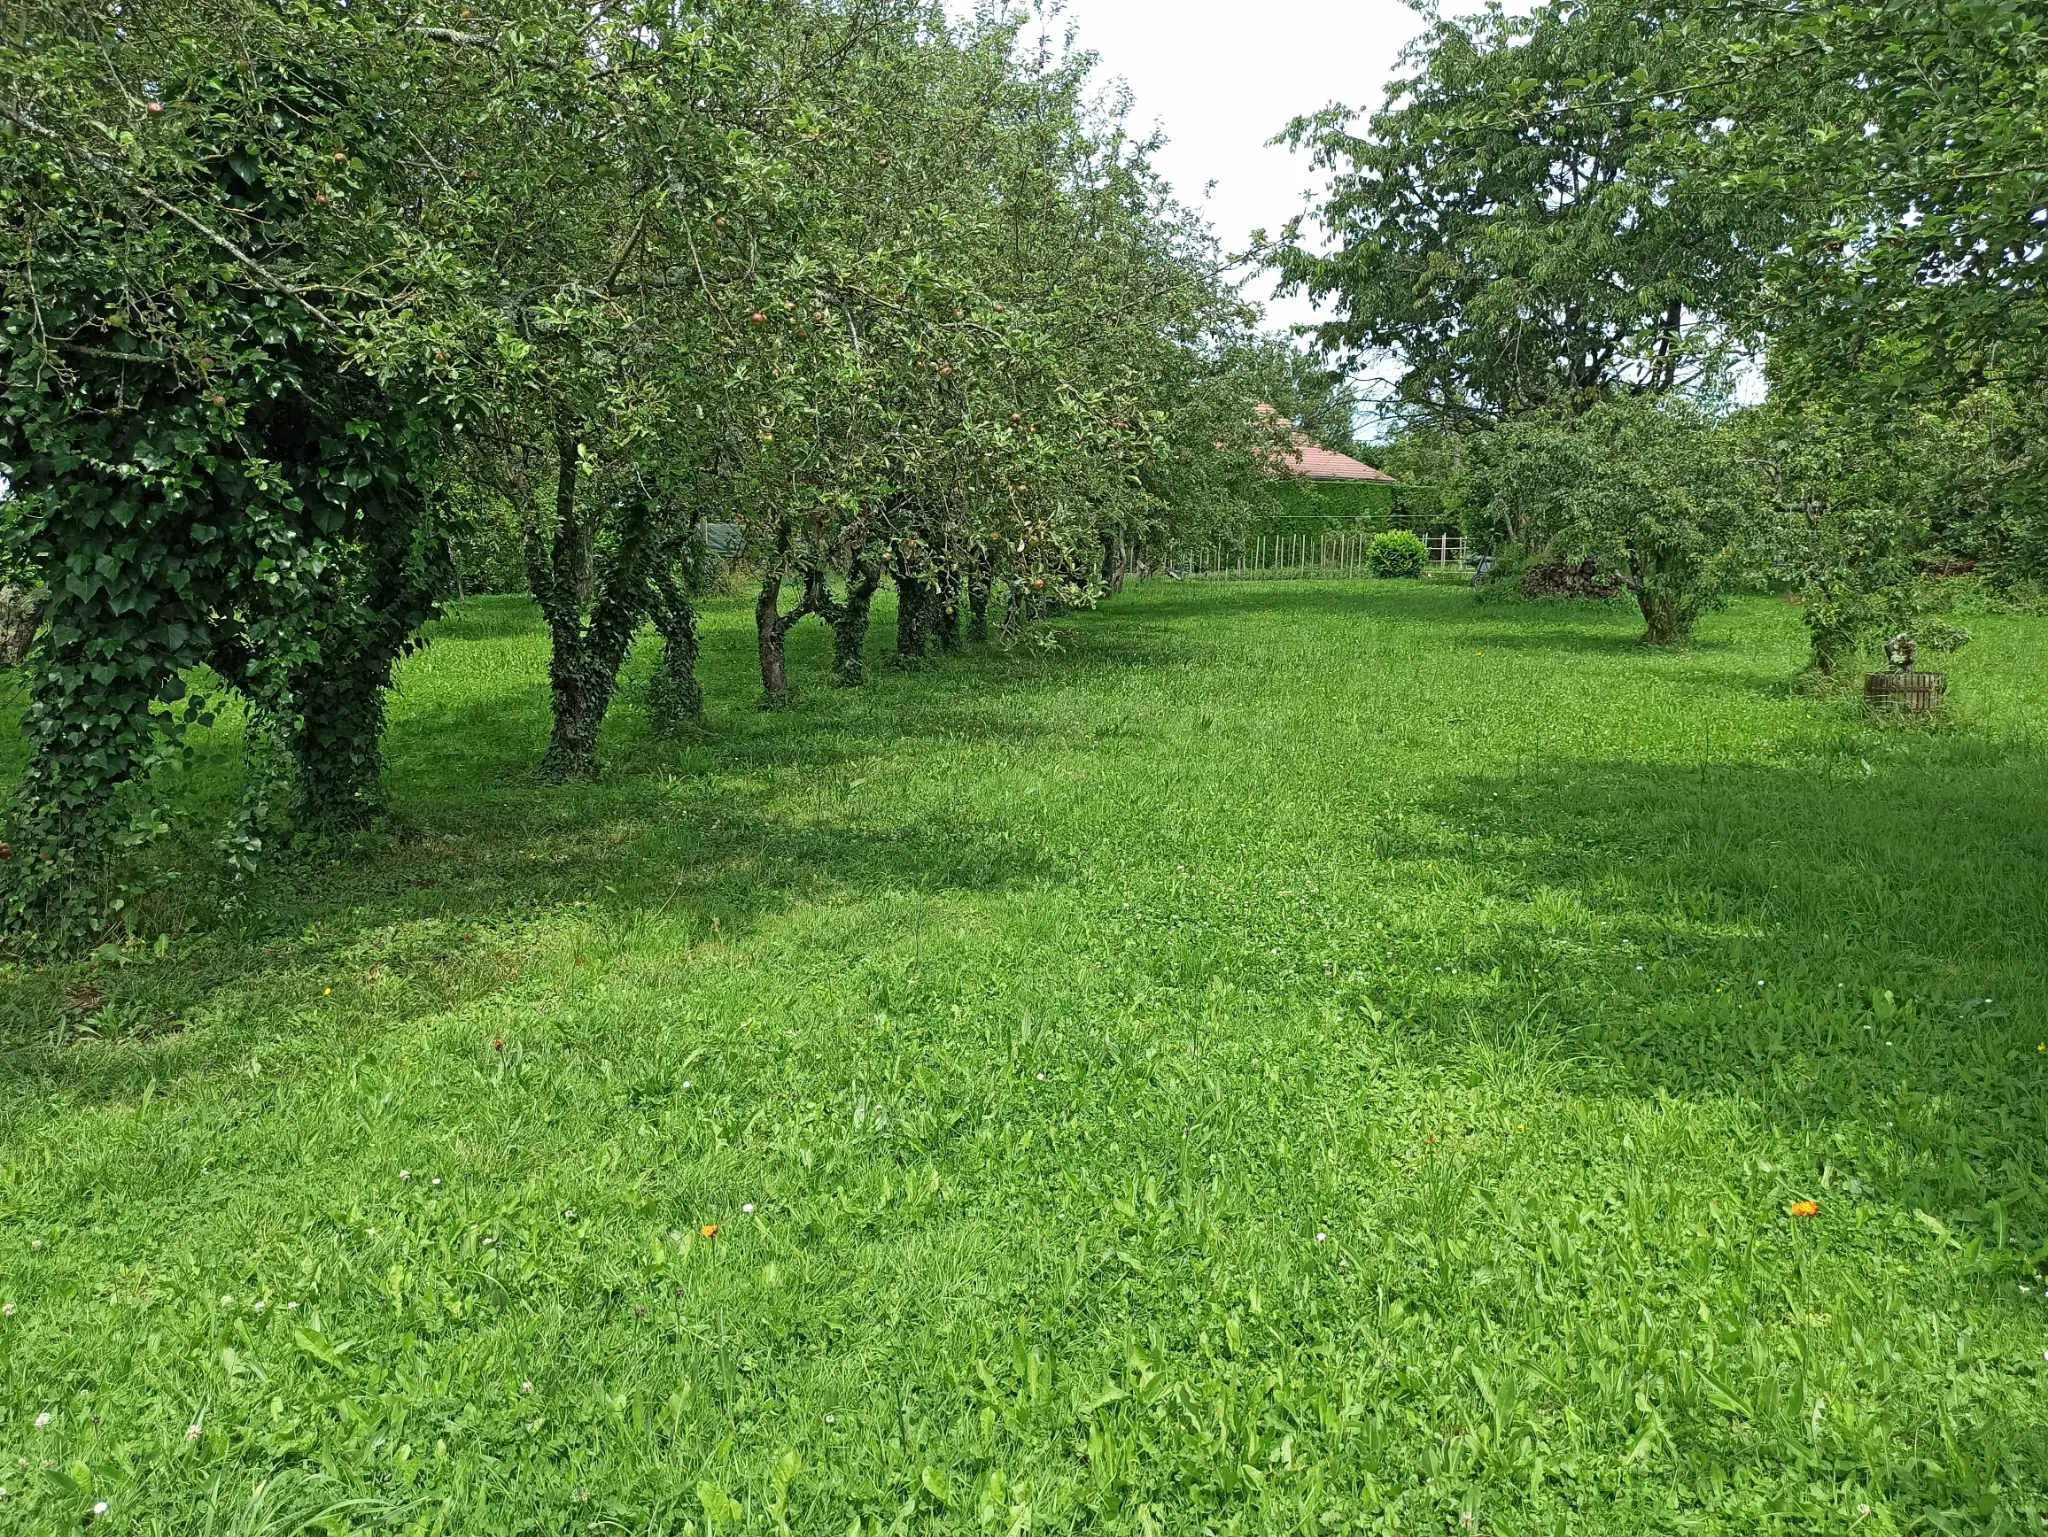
pixel 1312 461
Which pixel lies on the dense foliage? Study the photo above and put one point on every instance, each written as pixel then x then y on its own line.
pixel 301 305
pixel 1522 249
pixel 1396 552
pixel 1595 202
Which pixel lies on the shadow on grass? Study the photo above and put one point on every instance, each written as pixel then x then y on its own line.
pixel 751 817
pixel 1854 949
pixel 1611 627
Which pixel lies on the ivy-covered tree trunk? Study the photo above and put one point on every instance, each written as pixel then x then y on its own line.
pixel 850 627
pixel 1665 621
pixel 585 655
pixel 913 609
pixel 1113 562
pixel 945 612
pixel 678 696
pixel 583 674
pixel 336 738
pixel 131 593
pixel 92 734
pixel 338 698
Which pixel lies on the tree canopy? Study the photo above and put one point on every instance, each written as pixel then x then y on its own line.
pixel 1596 201
pixel 287 291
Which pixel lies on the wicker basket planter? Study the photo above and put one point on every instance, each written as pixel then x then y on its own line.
pixel 1914 693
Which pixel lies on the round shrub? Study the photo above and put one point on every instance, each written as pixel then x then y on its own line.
pixel 1396 553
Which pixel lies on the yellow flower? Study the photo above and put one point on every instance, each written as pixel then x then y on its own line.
pixel 709 1230
pixel 1804 1208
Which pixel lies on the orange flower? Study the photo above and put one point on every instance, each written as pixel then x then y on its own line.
pixel 709 1230
pixel 1804 1208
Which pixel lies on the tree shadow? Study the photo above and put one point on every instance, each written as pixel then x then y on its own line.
pixel 1849 948
pixel 755 815
pixel 1588 625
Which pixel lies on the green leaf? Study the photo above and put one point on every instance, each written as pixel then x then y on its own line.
pixel 718 1506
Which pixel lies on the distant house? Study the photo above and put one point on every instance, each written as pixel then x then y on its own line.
pixel 1325 503
pixel 1311 461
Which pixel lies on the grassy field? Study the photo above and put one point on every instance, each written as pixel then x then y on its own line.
pixel 1301 1058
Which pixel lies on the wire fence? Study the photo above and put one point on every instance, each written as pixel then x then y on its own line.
pixel 1326 554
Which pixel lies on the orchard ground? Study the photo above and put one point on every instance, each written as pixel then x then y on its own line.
pixel 1297 1058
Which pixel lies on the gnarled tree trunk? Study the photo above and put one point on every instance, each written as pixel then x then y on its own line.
pixel 945 611
pixel 849 621
pixel 585 655
pixel 772 627
pixel 913 606
pixel 678 697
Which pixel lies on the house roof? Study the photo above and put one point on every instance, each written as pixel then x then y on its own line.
pixel 1311 461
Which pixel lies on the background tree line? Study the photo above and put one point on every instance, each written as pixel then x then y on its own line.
pixel 1583 230
pixel 300 306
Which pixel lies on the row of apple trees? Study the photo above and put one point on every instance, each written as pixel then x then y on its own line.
pixel 286 285
pixel 1708 294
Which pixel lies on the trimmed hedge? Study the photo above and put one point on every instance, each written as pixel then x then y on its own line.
pixel 1397 552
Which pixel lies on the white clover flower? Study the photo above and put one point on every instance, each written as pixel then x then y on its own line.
pixel 405 1174
pixel 43 1420
pixel 6 1310
pixel 526 1387
pixel 100 1509
pixel 192 1431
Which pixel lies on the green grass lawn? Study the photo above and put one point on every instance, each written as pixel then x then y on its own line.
pixel 1301 1058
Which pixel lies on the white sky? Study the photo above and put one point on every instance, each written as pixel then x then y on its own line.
pixel 1221 77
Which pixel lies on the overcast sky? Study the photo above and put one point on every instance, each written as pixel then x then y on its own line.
pixel 1221 77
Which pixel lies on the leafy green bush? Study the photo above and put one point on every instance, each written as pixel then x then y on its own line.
pixel 1501 578
pixel 1396 552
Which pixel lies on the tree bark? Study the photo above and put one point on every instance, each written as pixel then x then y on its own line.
pixel 583 674
pixel 678 696
pixel 978 583
pixel 768 638
pixel 945 612
pixel 1112 563
pixel 913 603
pixel 584 658
pixel 1663 623
pixel 850 627
pixel 772 627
